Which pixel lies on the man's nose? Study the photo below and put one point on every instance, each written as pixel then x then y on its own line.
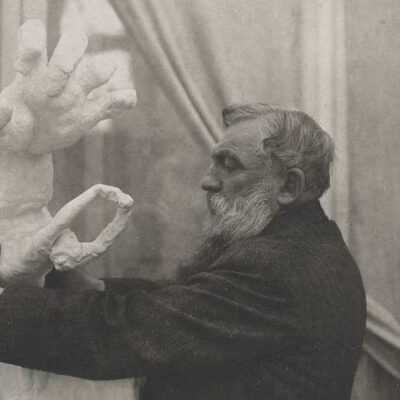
pixel 211 184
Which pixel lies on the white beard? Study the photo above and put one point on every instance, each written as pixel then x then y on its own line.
pixel 244 216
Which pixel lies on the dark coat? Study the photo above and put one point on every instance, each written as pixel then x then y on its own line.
pixel 277 316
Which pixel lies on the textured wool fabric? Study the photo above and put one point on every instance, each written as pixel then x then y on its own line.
pixel 277 316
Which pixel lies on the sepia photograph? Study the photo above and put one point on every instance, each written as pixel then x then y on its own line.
pixel 199 200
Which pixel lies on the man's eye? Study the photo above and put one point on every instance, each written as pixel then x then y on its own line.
pixel 229 163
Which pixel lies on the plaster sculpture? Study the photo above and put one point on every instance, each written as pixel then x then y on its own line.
pixel 51 105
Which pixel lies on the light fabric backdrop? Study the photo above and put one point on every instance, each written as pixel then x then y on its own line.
pixel 335 59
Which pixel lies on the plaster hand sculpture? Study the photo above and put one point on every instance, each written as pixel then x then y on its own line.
pixel 51 105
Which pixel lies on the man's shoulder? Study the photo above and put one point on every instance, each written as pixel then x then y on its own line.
pixel 277 246
pixel 296 254
pixel 261 253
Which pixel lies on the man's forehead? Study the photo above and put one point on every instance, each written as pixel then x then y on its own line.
pixel 243 135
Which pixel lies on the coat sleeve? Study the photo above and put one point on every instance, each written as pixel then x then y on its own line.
pixel 217 317
pixel 78 280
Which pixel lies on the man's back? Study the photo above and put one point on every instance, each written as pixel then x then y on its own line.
pixel 299 277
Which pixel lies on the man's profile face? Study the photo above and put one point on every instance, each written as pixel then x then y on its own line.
pixel 241 183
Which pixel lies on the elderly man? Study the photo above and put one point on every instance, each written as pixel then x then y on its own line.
pixel 272 306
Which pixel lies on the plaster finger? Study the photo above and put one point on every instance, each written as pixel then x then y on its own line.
pixel 116 195
pixel 56 80
pixel 69 51
pixel 66 251
pixel 63 219
pixel 66 259
pixel 91 73
pixel 125 202
pixel 31 46
pixel 67 254
pixel 46 237
pixel 108 106
pixel 107 236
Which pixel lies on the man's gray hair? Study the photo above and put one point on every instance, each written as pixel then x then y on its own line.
pixel 293 137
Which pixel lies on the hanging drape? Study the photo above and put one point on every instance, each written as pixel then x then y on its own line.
pixel 199 80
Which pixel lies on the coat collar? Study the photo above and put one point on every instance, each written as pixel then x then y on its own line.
pixel 309 214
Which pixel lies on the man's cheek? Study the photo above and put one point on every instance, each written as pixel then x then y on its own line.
pixel 242 184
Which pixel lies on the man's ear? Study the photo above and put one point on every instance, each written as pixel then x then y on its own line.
pixel 293 187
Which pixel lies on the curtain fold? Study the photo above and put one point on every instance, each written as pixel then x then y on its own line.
pixel 382 338
pixel 146 24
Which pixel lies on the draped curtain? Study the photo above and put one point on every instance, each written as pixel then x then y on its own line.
pixel 191 58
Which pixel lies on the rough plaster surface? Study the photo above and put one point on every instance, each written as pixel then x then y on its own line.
pixel 51 105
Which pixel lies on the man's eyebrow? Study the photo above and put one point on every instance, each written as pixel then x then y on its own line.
pixel 218 154
pixel 225 153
